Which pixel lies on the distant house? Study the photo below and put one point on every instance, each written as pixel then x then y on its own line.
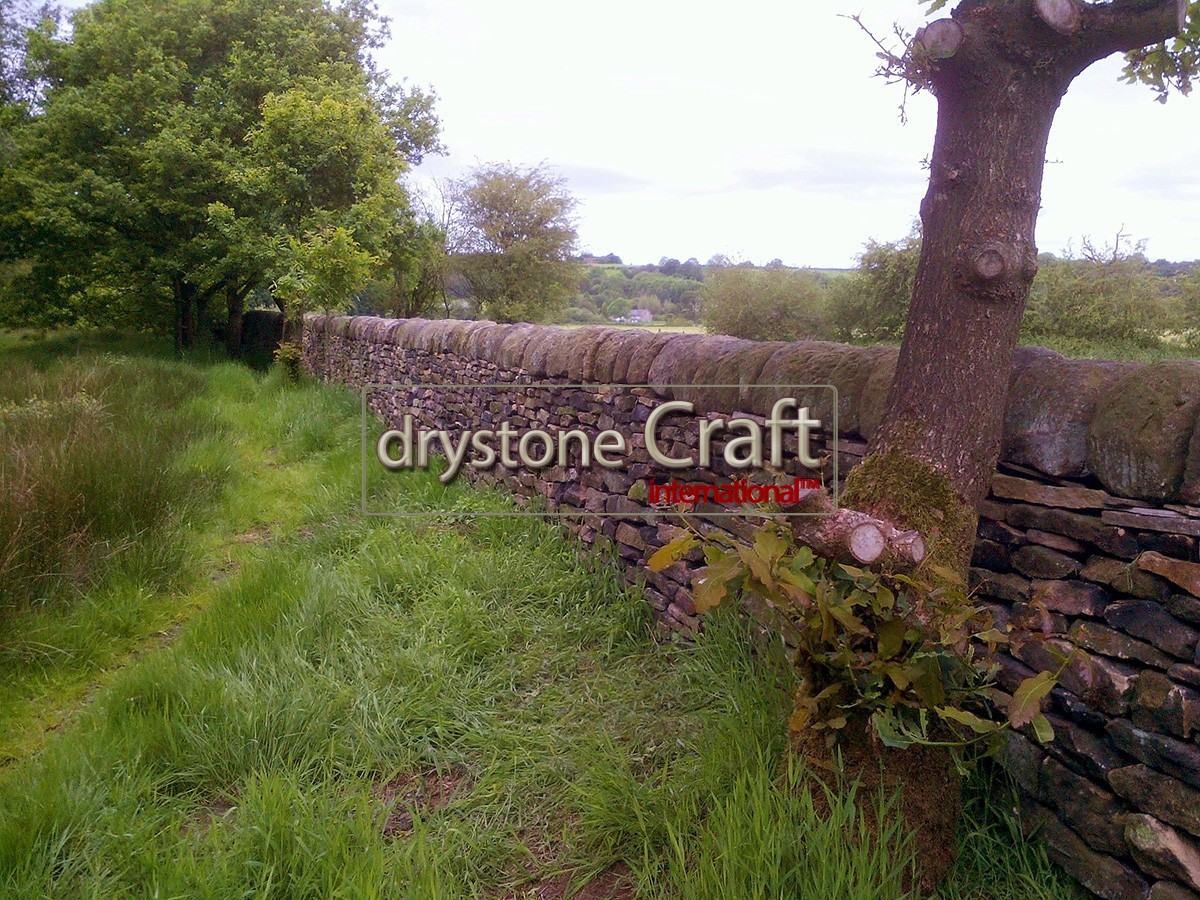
pixel 641 316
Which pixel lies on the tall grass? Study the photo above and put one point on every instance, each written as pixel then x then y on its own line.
pixel 250 756
pixel 88 480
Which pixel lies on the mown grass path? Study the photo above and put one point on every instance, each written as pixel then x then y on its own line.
pixel 438 707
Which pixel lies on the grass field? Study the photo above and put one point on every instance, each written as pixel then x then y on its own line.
pixel 306 702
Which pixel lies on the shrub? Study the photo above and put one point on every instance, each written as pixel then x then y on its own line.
pixel 1106 295
pixel 871 305
pixel 765 304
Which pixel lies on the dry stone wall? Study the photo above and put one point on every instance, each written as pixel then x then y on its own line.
pixel 1088 539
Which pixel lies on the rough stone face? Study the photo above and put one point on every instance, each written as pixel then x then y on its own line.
pixel 1169 890
pixel 1184 607
pixel 1041 562
pixel 1161 850
pixel 1090 809
pixel 800 364
pixel 1101 874
pixel 1112 540
pixel 1184 574
pixel 1174 758
pixel 873 403
pixel 1073 598
pixel 512 349
pixel 1163 798
pixel 1149 621
pixel 850 377
pixel 1124 578
pixel 1051 403
pixel 1009 587
pixel 1009 488
pixel 718 367
pixel 1138 440
pixel 1103 640
pixel 999 532
pixel 1189 491
pixel 991 556
pixel 637 369
pixel 616 350
pixel 1023 761
pixel 678 359
pixel 1164 706
pixel 1085 749
pixel 1054 541
pixel 744 368
pixel 1166 521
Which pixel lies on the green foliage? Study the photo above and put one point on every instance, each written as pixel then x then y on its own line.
pixel 320 272
pixel 871 305
pixel 1104 295
pixel 1106 302
pixel 1171 65
pixel 893 649
pixel 289 356
pixel 512 232
pixel 259 711
pixel 765 304
pixel 612 290
pixel 417 265
pixel 181 144
pixel 88 471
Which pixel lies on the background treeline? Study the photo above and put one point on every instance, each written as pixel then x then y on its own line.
pixel 1103 301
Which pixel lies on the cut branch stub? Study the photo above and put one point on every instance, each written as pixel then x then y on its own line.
pixel 1061 15
pixel 989 264
pixel 939 39
pixel 848 535
pixel 997 262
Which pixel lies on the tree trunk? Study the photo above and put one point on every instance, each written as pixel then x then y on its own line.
pixel 998 87
pixel 202 325
pixel 235 302
pixel 185 326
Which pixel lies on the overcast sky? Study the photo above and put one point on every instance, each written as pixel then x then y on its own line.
pixel 756 129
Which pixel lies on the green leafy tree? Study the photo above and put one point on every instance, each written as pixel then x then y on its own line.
pixel 999 70
pixel 317 272
pixel 512 230
pixel 765 304
pixel 1109 294
pixel 871 305
pixel 180 143
pixel 417 265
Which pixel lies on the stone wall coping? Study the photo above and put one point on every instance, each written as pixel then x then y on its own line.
pixel 1133 427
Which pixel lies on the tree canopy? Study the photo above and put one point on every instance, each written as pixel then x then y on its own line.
pixel 513 233
pixel 185 148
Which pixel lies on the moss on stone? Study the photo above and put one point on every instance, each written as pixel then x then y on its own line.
pixel 909 492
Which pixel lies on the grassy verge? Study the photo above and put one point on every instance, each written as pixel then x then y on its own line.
pixel 436 707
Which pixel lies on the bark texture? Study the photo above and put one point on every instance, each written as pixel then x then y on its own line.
pixel 997 96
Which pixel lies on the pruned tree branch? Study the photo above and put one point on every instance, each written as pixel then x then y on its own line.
pixel 1124 25
pixel 851 536
pixel 1063 16
pixel 939 39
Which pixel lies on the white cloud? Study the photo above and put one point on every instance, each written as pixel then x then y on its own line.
pixel 693 128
